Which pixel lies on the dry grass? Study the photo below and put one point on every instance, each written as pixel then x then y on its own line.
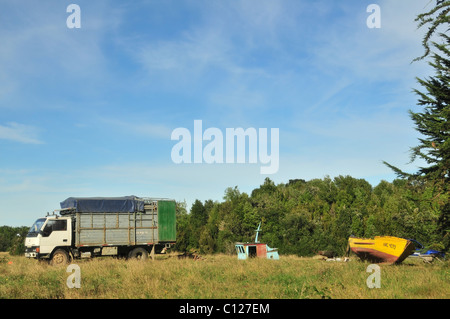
pixel 222 277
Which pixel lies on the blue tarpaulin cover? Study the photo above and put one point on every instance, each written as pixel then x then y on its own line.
pixel 126 204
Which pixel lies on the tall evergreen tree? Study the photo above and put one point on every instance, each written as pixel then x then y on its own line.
pixel 434 121
pixel 435 18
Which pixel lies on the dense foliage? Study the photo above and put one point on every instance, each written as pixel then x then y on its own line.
pixel 12 239
pixel 303 217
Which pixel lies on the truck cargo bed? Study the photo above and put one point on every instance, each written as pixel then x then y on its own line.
pixel 154 225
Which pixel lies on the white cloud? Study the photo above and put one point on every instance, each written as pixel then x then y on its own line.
pixel 20 133
pixel 225 38
pixel 192 54
pixel 39 51
pixel 348 48
pixel 139 128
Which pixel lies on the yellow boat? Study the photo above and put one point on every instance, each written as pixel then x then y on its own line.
pixel 382 249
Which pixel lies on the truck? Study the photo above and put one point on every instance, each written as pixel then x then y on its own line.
pixel 87 227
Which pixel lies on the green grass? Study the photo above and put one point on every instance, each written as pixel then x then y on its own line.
pixel 222 277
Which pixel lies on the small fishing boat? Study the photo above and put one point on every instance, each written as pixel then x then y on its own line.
pixel 256 249
pixel 382 249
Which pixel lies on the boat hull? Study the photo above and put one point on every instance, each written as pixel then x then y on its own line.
pixel 382 249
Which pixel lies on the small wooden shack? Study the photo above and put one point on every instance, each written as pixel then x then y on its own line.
pixel 256 249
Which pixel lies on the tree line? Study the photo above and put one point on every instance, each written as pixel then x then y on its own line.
pixel 303 217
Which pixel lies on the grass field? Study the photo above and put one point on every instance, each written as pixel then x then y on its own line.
pixel 222 277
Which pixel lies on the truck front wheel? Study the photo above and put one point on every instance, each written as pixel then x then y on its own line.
pixel 138 253
pixel 60 257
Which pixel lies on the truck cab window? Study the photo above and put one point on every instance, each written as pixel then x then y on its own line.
pixel 54 225
pixel 34 230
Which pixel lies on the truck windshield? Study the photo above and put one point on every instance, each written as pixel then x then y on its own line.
pixel 34 230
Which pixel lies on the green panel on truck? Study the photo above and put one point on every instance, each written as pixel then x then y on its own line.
pixel 166 221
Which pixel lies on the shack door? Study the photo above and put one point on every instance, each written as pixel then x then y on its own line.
pixel 261 250
pixel 251 250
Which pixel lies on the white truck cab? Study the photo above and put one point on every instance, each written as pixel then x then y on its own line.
pixel 48 234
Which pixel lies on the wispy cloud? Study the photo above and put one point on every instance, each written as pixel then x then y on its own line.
pixel 139 128
pixel 226 39
pixel 20 133
pixel 39 51
pixel 382 54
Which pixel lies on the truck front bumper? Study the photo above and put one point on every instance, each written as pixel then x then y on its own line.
pixel 32 252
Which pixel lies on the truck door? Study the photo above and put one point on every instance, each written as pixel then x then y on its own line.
pixel 56 232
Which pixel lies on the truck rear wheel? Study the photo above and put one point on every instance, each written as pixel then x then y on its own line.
pixel 138 253
pixel 60 257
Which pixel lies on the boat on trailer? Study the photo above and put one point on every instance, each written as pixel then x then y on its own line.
pixel 427 255
pixel 382 249
pixel 256 249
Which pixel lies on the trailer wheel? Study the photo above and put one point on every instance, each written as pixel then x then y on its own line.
pixel 138 253
pixel 60 257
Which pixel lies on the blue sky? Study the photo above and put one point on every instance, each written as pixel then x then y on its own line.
pixel 90 111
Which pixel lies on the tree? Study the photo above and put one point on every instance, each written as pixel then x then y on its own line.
pixel 434 121
pixel 197 220
pixel 436 17
pixel 12 239
pixel 182 227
